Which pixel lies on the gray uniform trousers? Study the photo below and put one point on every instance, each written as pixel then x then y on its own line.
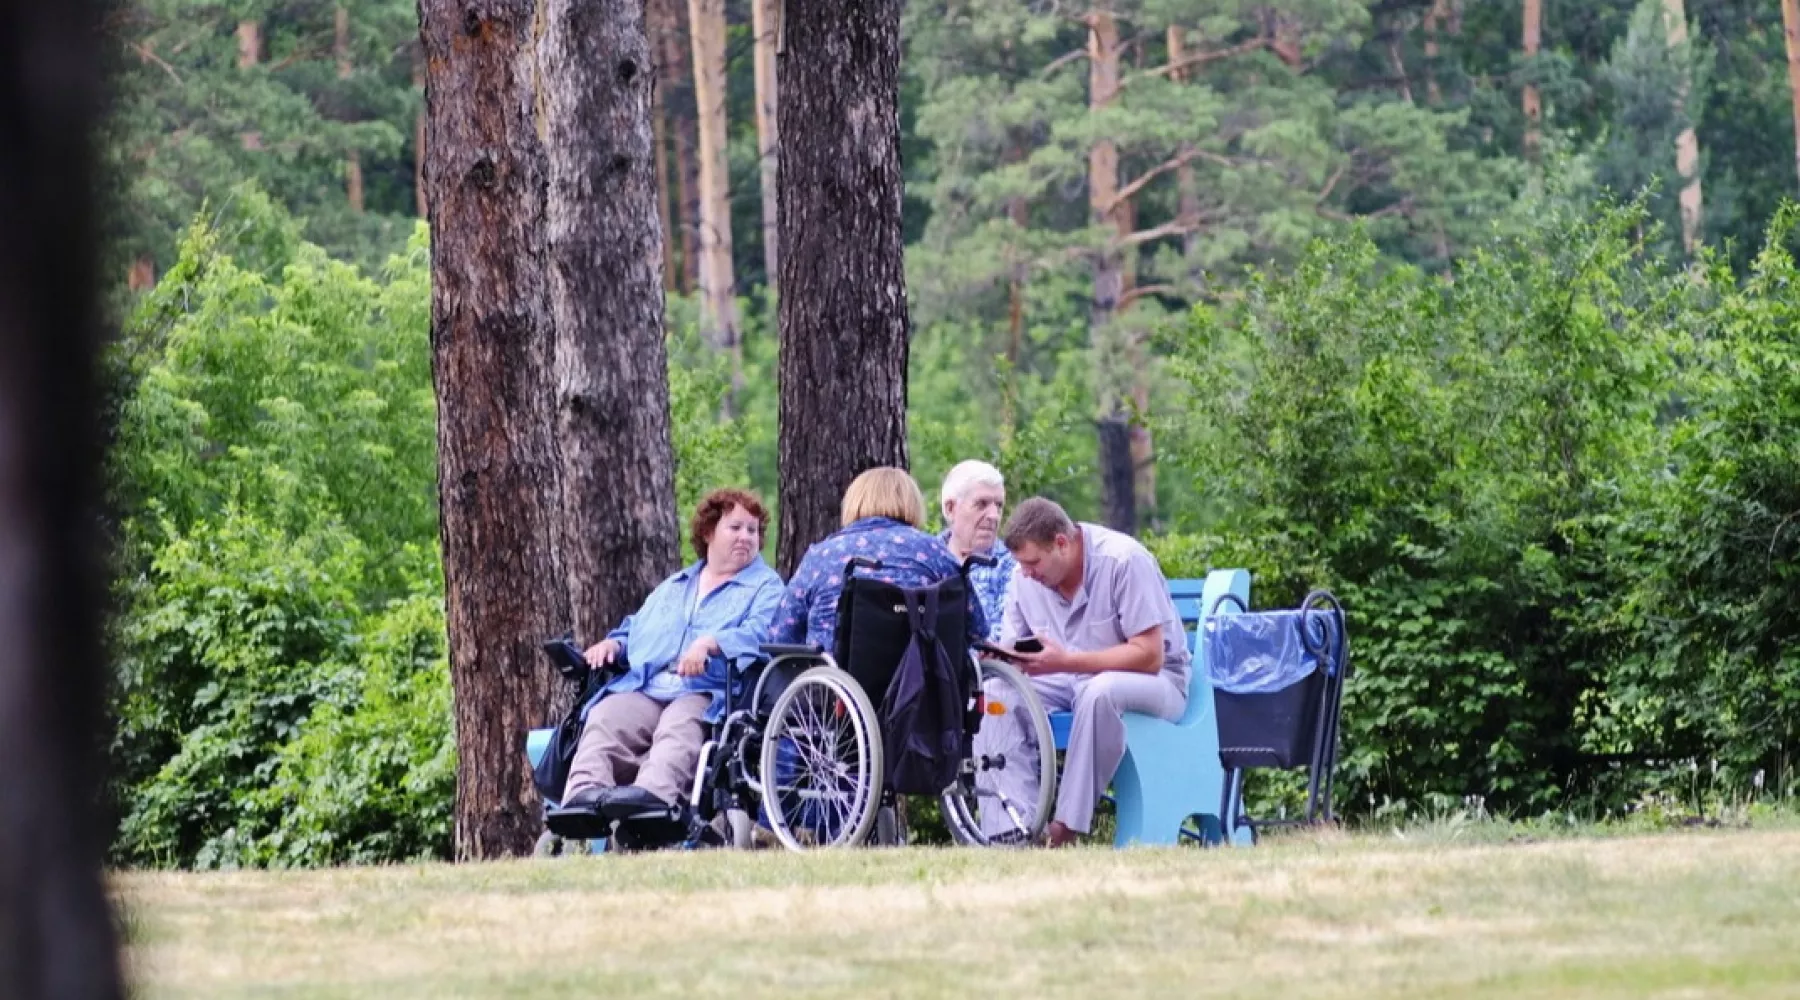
pixel 1096 740
pixel 631 738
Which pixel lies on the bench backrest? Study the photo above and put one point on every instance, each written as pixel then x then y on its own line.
pixel 1193 599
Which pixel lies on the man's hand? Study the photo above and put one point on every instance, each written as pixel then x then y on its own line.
pixel 602 653
pixel 693 661
pixel 1053 659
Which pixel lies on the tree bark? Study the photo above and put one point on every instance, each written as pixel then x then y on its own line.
pixel 618 461
pixel 660 136
pixel 353 175
pixel 1118 494
pixel 1187 191
pixel 56 929
pixel 493 347
pixel 1434 19
pixel 1530 102
pixel 249 44
pixel 1790 29
pixel 672 57
pixel 419 200
pixel 1687 144
pixel 249 53
pixel 766 24
pixel 843 313
pixel 718 288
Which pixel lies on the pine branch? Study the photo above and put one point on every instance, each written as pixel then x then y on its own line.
pixel 1202 58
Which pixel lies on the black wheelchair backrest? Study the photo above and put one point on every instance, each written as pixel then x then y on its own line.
pixel 873 628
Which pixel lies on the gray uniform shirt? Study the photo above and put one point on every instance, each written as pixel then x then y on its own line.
pixel 1122 593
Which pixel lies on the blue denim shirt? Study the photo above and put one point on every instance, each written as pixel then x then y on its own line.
pixel 736 613
pixel 990 583
pixel 909 558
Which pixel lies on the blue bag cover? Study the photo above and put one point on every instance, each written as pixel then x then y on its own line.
pixel 1263 651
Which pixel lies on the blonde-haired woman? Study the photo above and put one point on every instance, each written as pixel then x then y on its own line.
pixel 882 511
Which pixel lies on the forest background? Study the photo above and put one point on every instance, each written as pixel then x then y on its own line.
pixel 1480 314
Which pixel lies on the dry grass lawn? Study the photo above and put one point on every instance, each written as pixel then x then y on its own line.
pixel 1672 915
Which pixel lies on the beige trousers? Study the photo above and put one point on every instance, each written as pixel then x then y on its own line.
pixel 631 738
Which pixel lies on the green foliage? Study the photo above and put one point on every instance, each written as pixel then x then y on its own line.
pixel 1554 494
pixel 282 694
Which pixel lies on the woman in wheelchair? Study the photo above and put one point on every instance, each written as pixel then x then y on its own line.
pixel 641 740
pixel 881 515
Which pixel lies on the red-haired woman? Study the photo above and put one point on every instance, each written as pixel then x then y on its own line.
pixel 640 741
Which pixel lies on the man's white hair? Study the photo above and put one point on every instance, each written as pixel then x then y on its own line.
pixel 965 476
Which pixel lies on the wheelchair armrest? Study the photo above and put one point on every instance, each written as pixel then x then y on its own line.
pixel 775 649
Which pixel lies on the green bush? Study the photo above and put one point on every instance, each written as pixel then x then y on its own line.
pixel 1551 493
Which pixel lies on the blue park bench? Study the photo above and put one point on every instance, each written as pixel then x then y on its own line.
pixel 1171 773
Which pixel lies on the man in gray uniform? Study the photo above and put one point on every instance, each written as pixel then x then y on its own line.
pixel 1112 643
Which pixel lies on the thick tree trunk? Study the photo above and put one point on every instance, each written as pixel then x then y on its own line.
pixel 56 932
pixel 672 59
pixel 419 200
pixel 766 23
pixel 493 347
pixel 843 302
pixel 353 175
pixel 665 218
pixel 1687 144
pixel 1790 27
pixel 1530 102
pixel 718 288
pixel 1118 500
pixel 618 462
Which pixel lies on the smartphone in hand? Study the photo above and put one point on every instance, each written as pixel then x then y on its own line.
pixel 1024 645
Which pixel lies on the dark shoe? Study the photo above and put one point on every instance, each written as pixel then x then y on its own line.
pixel 578 822
pixel 630 801
pixel 587 797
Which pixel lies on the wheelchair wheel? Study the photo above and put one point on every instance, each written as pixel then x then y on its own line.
pixel 821 762
pixel 1005 796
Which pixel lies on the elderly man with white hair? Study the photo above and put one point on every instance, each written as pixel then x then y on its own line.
pixel 973 499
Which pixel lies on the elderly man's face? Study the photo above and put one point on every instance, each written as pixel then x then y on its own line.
pixel 975 518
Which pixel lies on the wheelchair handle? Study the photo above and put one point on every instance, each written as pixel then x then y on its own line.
pixel 1233 598
pixel 975 560
pixel 863 561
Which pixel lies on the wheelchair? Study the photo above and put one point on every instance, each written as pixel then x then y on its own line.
pixel 802 752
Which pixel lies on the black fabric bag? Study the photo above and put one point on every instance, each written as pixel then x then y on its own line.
pixel 551 775
pixel 922 711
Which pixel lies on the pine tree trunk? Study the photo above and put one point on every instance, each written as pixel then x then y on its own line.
pixel 419 200
pixel 766 23
pixel 1118 500
pixel 1187 190
pixel 249 44
pixel 57 934
pixel 660 136
pixel 142 275
pixel 618 462
pixel 1434 19
pixel 493 348
pixel 249 53
pixel 1530 103
pixel 718 289
pixel 843 303
pixel 353 175
pixel 672 58
pixel 1790 27
pixel 1687 144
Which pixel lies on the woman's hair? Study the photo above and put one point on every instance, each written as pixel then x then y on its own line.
pixel 884 492
pixel 713 508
